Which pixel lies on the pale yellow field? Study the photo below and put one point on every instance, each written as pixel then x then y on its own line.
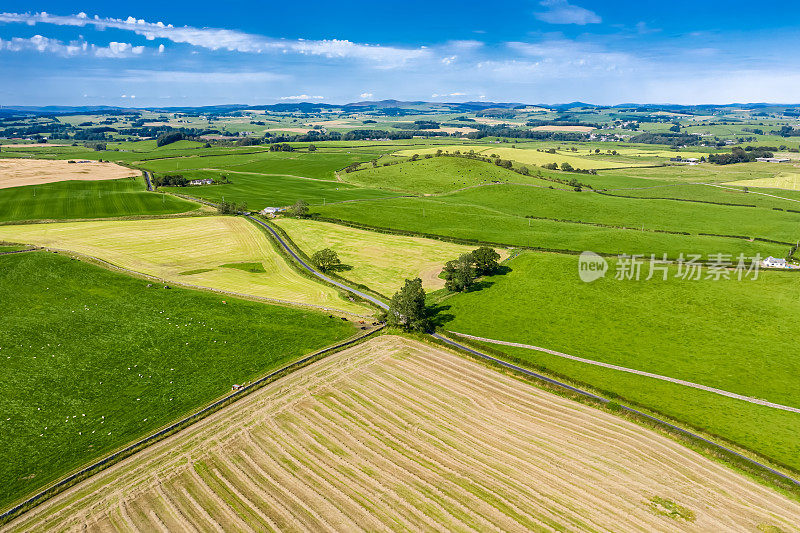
pixel 579 129
pixel 532 157
pixel 19 172
pixel 168 247
pixel 784 180
pixel 396 435
pixel 380 261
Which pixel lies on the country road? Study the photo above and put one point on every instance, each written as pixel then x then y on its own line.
pixel 320 275
pixel 147 180
pixel 525 371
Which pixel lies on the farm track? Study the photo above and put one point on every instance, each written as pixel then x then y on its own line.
pixel 634 371
pixel 393 435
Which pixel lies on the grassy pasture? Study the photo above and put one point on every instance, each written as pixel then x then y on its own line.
pixel 440 174
pixel 319 164
pixel 169 248
pixel 87 199
pixel 716 333
pixel 91 360
pixel 497 214
pixel 263 190
pixel 378 260
pixel 437 436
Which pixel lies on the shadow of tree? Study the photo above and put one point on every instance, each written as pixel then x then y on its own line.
pixel 438 316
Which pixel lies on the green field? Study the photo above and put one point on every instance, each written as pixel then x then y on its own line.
pixel 261 190
pixel 86 199
pixel 577 221
pixel 717 333
pixel 91 359
pixel 440 174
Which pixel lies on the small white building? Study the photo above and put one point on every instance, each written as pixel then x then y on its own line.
pixel 270 211
pixel 205 181
pixel 772 159
pixel 771 262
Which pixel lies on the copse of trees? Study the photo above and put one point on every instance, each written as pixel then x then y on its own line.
pixel 176 180
pixel 738 155
pixel 460 274
pixel 282 147
pixel 299 209
pixel 169 138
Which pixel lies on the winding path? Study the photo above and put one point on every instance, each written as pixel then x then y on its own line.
pixel 633 371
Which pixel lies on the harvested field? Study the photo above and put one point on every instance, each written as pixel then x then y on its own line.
pixel 19 172
pixel 575 129
pixel 381 261
pixel 190 251
pixel 784 180
pixel 394 434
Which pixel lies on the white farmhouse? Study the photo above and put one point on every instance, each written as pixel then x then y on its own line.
pixel 771 262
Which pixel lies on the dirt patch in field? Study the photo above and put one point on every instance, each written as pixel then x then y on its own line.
pixel 395 434
pixel 19 172
pixel 575 129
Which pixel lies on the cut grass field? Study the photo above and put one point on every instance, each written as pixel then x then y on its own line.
pixel 91 360
pixel 397 435
pixel 87 199
pixel 380 261
pixel 784 180
pixel 191 251
pixel 531 156
pixel 577 221
pixel 716 333
pixel 21 172
pixel 439 174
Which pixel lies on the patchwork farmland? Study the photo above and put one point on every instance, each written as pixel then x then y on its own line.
pixel 396 435
pixel 161 289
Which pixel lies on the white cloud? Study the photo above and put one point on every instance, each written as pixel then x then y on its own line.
pixel 365 95
pixel 43 44
pixel 443 95
pixel 302 97
pixel 160 48
pixel 232 40
pixel 115 49
pixel 562 12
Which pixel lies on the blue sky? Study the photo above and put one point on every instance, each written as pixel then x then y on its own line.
pixel 540 51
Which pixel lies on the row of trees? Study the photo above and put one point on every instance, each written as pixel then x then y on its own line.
pixel 176 180
pixel 231 208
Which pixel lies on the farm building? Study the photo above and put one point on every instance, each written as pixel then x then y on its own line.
pixel 270 211
pixel 772 159
pixel 771 262
pixel 205 181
